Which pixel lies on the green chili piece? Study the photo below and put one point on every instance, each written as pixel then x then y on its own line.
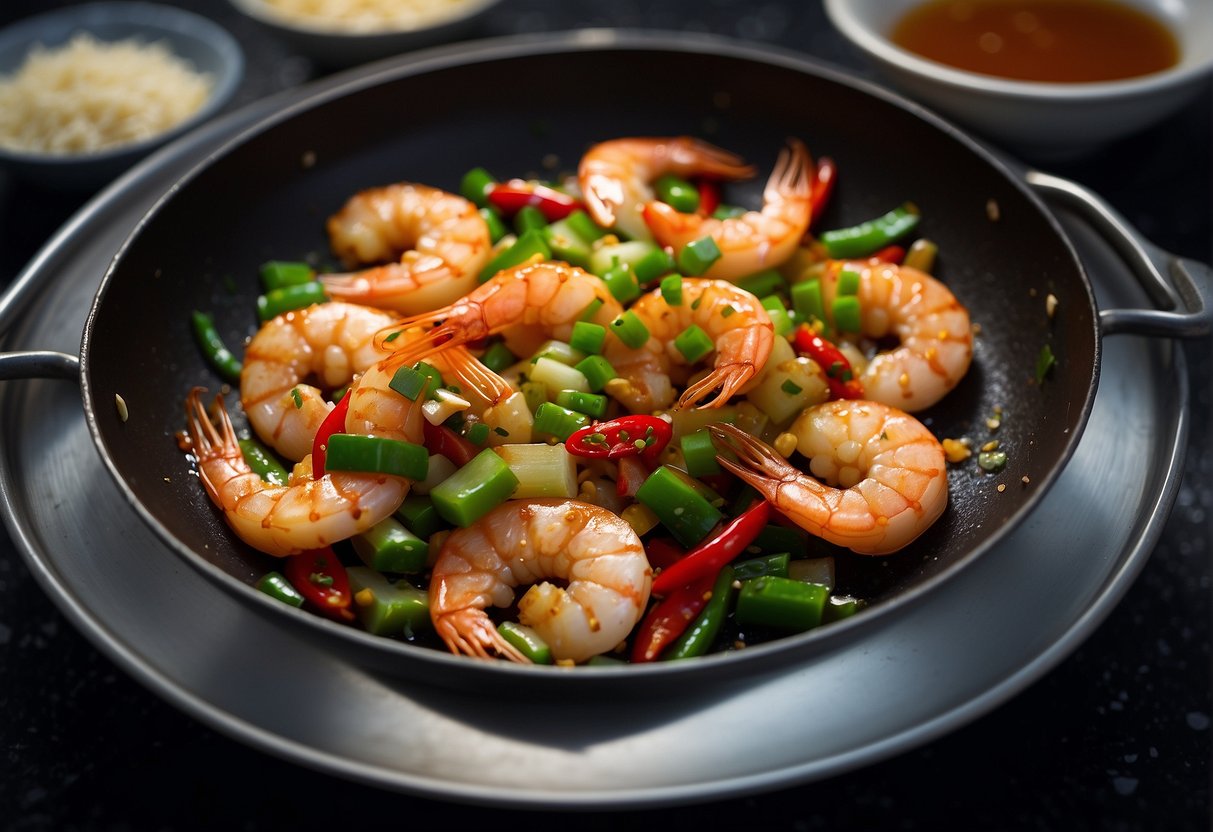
pixel 699 454
pixel 566 244
pixel 498 357
pixel 409 382
pixel 766 282
pixel 671 289
pixel 588 337
pixel 846 313
pixel 529 218
pixel 275 585
pixel 871 236
pixel 677 193
pixel 376 454
pixel 584 227
pixel 781 603
pixel 389 547
pixel 591 404
pixel 279 273
pixel 475 186
pixel 558 421
pixel 808 302
pixel 497 227
pixel 597 371
pixel 775 539
pixel 527 641
pixel 778 314
pixel 848 282
pixel 289 298
pixel 992 461
pixel 385 608
pixel 701 635
pixel 698 256
pixel 622 283
pixel 776 565
pixel 214 349
pixel 478 433
pixel 653 265
pixel 524 248
pixel 475 489
pixel 694 343
pixel 629 329
pixel 686 512
pixel 262 462
pixel 419 516
pixel 839 607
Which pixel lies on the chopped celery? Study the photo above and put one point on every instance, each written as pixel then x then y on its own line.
pixel 475 489
pixel 559 351
pixel 438 468
pixel 541 470
pixel 556 376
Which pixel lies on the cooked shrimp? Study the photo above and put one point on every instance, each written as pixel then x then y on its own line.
pixel 884 472
pixel 596 556
pixel 328 343
pixel 547 296
pixel 441 241
pixel 282 520
pixel 733 318
pixel 616 176
pixel 756 240
pixel 931 324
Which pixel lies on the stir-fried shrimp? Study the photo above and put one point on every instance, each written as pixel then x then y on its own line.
pixel 616 176
pixel 441 241
pixel 596 556
pixel 328 343
pixel 884 472
pixel 549 296
pixel 282 520
pixel 756 240
pixel 733 318
pixel 936 337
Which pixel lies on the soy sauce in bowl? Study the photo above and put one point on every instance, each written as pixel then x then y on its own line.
pixel 1066 41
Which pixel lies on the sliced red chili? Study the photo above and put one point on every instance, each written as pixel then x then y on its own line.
pixel 333 423
pixel 632 474
pixel 441 440
pixel 639 435
pixel 513 195
pixel 839 375
pixel 890 254
pixel 709 196
pixel 322 580
pixel 663 552
pixel 670 617
pixel 824 175
pixel 707 559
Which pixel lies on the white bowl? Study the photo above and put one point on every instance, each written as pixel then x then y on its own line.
pixel 205 45
pixel 333 47
pixel 1046 118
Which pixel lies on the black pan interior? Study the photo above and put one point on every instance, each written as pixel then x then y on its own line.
pixel 514 112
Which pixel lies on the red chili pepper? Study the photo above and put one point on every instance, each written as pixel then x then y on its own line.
pixel 839 375
pixel 441 440
pixel 618 438
pixel 670 617
pixel 709 557
pixel 890 254
pixel 333 423
pixel 709 196
pixel 632 474
pixel 823 185
pixel 663 552
pixel 322 581
pixel 513 195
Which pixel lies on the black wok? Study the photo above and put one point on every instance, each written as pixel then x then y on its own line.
pixel 508 106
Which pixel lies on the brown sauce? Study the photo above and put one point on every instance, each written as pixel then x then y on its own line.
pixel 1068 41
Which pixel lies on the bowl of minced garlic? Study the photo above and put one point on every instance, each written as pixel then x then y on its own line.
pixel 86 91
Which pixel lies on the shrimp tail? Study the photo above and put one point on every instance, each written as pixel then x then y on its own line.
pixel 791 177
pixel 729 379
pixel 470 632
pixel 475 376
pixel 757 466
pixel 209 441
pixel 411 350
pixel 710 160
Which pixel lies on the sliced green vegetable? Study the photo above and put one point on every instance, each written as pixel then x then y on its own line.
pixel 530 218
pixel 839 607
pixel 263 463
pixel 845 312
pixel 376 454
pixel 386 608
pixel 776 565
pixel 588 337
pixel 591 404
pixel 567 244
pixel 419 516
pixel 526 640
pixel 671 289
pixel 597 371
pixel 701 635
pixel 992 461
pixel 629 329
pixel 389 547
pixel 678 193
pixel 621 283
pixel 776 539
pixel 781 603
pixel 808 302
pixel 475 186
pixel 279 273
pixel 475 489
pixel 728 212
pixel 765 282
pixel 558 421
pixel 289 298
pixel 653 265
pixel 778 313
pixel 409 382
pixel 498 357
pixel 848 282
pixel 214 349
pixel 496 225
pixel 699 454
pixel 694 343
pixel 871 236
pixel 698 256
pixel 584 227
pixel 1044 363
pixel 524 248
pixel 275 585
pixel 477 433
pixel 680 506
pixel 626 254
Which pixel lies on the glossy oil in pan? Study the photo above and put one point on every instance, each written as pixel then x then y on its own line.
pixel 515 108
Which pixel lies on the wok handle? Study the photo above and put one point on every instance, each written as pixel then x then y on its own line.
pixel 14 365
pixel 1187 289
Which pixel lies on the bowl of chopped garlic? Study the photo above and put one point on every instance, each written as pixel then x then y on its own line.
pixel 343 33
pixel 85 91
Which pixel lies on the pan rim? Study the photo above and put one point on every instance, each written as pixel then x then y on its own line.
pixel 448 668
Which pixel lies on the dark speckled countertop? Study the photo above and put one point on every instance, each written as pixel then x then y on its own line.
pixel 1117 737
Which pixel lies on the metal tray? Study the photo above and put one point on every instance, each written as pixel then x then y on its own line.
pixel 970 646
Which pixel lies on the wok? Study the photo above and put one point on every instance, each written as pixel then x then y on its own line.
pixel 509 105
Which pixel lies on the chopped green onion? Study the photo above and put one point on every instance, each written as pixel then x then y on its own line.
pixel 591 404
pixel 497 227
pixel 597 371
pixel 671 289
pixel 279 273
pixel 629 329
pixel 431 373
pixel 778 313
pixel 653 265
pixel 694 343
pixel 524 248
pixel 376 454
pixel 766 282
pixel 591 310
pixel 698 256
pixel 584 227
pixel 409 382
pixel 567 244
pixel 848 282
pixel 298 398
pixel 558 421
pixel 677 193
pixel 475 489
pixel 871 236
pixel 622 283
pixel 478 433
pixel 587 337
pixel 475 186
pixel 846 313
pixel 289 298
pixel 808 302
pixel 790 387
pixel 529 218
pixel 498 357
pixel 214 349
pixel 699 454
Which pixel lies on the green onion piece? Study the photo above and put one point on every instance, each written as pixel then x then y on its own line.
pixel 591 310
pixel 699 454
pixel 694 343
pixel 808 302
pixel 262 462
pixel 591 404
pixel 629 329
pixel 848 282
pixel 778 313
pixel 419 516
pixel 275 585
pixel 289 298
pixel 679 505
pixel 698 256
pixel 527 641
pixel 776 565
pixel 992 461
pixel 434 378
pixel 766 282
pixel 388 546
pixel 498 357
pixel 781 603
pixel 298 397
pixel 497 227
pixel 376 454
pixel 622 283
pixel 845 311
pixel 587 337
pixel 279 273
pixel 387 609
pixel 478 433
pixel 701 635
pixel 677 193
pixel 475 489
pixel 558 421
pixel 871 236
pixel 1044 363
pixel 475 186
pixel 529 218
pixel 597 371
pixel 524 248
pixel 790 387
pixel 628 254
pixel 566 244
pixel 728 212
pixel 584 227
pixel 653 265
pixel 214 349
pixel 409 382
pixel 671 289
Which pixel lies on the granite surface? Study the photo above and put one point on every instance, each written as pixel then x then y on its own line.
pixel 1117 737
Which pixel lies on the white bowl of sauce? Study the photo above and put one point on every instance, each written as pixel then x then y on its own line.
pixel 1042 76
